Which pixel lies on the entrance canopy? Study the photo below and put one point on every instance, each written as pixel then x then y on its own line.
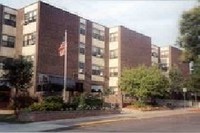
pixel 4 85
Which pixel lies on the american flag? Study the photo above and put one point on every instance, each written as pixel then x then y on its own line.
pixel 61 49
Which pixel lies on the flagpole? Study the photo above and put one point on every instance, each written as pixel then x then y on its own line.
pixel 65 69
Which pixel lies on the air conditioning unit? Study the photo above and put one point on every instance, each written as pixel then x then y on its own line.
pixel 80 70
pixel 101 73
pixel 98 55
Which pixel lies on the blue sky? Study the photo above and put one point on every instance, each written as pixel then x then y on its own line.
pixel 157 19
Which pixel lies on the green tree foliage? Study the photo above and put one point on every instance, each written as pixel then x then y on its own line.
pixel 189 38
pixel 19 74
pixel 176 80
pixel 143 82
pixel 194 80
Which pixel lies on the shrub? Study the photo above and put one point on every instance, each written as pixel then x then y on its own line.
pixel 70 106
pixel 139 104
pixel 52 103
pixel 94 103
pixel 73 105
pixel 82 103
pixel 55 103
pixel 52 106
pixel 36 107
pixel 53 99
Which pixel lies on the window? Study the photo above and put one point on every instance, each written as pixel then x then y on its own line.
pixel 164 54
pixel 113 72
pixel 154 54
pixel 10 19
pixel 98 52
pixel 113 37
pixel 163 60
pixel 8 41
pixel 81 67
pixel 82 28
pixel 96 88
pixel 113 54
pixel 30 17
pixel 98 34
pixel 29 39
pixel 97 70
pixel 82 48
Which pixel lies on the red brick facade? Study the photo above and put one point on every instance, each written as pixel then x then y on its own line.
pixel 51 22
pixel 52 25
pixel 135 49
pixel 1 18
pixel 175 60
pixel 55 115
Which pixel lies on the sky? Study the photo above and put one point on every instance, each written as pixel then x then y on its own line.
pixel 156 19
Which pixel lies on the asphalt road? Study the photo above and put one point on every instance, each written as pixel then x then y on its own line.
pixel 180 123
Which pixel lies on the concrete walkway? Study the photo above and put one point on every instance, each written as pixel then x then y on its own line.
pixel 6 112
pixel 57 125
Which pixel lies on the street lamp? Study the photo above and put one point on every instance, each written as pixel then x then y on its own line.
pixel 184 95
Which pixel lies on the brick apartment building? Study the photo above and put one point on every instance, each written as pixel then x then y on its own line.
pixel 39 30
pixel 171 57
pixel 155 55
pixel 127 49
pixel 96 54
pixel 7 50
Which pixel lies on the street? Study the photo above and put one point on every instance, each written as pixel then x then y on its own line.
pixel 178 123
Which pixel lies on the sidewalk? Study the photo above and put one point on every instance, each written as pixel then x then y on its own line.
pixel 6 112
pixel 57 125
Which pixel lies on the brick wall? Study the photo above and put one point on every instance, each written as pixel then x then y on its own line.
pixel 106 56
pixel 88 57
pixel 1 18
pixel 19 32
pixel 53 115
pixel 52 25
pixel 135 49
pixel 175 60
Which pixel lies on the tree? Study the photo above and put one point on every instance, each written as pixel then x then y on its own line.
pixel 19 75
pixel 194 80
pixel 176 80
pixel 143 82
pixel 189 38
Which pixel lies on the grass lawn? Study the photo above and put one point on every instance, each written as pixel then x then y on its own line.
pixel 11 118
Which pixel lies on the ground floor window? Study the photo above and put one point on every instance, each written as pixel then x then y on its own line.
pixel 96 88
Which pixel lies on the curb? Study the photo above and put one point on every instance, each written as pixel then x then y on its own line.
pixel 87 124
pixel 83 124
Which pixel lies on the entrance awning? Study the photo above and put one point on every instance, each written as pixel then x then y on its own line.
pixel 4 86
pixel 59 80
